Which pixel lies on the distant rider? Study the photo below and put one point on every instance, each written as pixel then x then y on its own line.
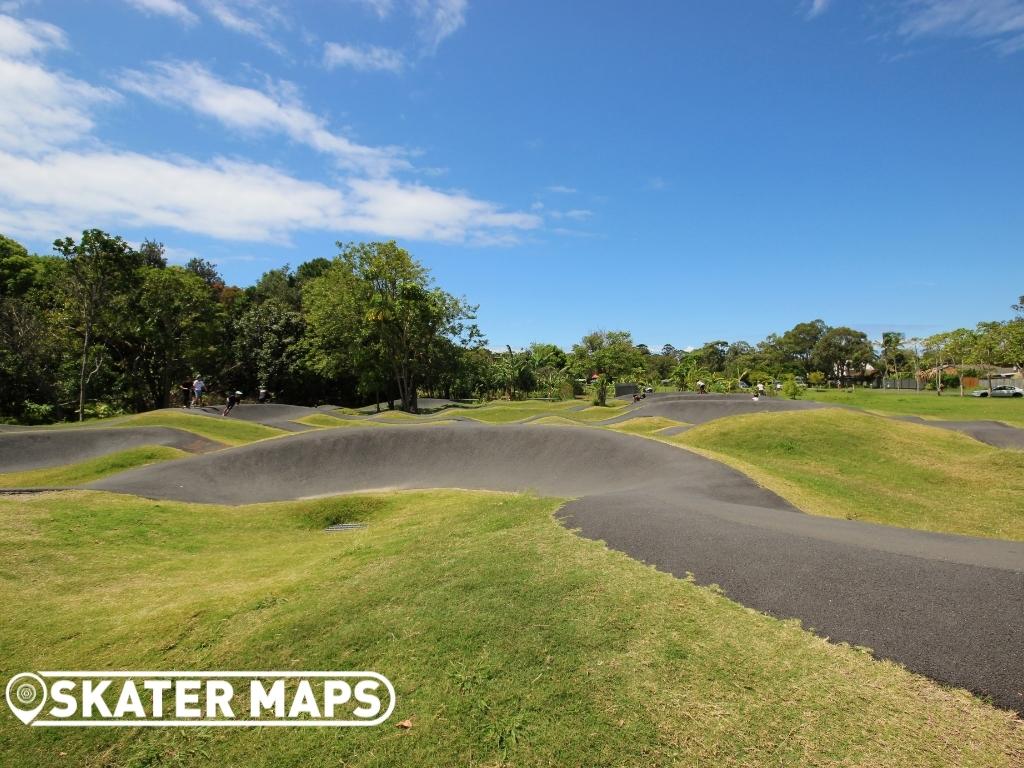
pixel 233 399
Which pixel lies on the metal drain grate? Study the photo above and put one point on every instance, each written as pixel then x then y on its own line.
pixel 344 527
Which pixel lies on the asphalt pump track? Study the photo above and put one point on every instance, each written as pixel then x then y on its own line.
pixel 949 607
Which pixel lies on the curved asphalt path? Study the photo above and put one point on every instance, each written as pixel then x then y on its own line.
pixel 38 448
pixel 277 415
pixel 949 607
pixel 992 432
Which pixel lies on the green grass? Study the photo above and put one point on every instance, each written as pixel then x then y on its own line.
pixel 927 404
pixel 92 469
pixel 859 466
pixel 504 412
pixel 645 425
pixel 508 412
pixel 328 422
pixel 225 430
pixel 510 641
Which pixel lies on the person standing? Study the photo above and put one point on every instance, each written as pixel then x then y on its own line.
pixel 186 393
pixel 197 391
pixel 760 389
pixel 701 387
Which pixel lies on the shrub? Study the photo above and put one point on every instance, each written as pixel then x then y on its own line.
pixel 790 388
pixel 37 413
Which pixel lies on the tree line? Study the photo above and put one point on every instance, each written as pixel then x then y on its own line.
pixel 100 327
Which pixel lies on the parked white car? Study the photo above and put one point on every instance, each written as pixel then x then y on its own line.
pixel 1003 390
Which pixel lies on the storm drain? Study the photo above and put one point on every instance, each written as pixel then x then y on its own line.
pixel 344 527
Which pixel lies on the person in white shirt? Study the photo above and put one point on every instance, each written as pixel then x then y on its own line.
pixel 197 391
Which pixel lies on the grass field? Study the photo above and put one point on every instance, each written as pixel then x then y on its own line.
pixel 510 642
pixel 859 466
pixel 926 404
pixel 92 469
pixel 228 431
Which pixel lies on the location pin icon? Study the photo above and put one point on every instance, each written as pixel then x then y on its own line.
pixel 26 696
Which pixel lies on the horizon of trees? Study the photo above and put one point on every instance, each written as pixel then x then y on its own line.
pixel 100 327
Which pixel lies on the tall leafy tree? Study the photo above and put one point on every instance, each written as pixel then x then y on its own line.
pixel 377 310
pixel 843 353
pixel 98 268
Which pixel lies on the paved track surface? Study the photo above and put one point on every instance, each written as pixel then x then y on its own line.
pixel 992 432
pixel 38 448
pixel 276 415
pixel 949 607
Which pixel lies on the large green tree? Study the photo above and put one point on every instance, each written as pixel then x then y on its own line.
pixel 843 353
pixel 98 269
pixel 377 311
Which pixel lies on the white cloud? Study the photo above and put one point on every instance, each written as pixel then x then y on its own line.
pixel 363 58
pixel 26 38
pixel 390 207
pixel 439 19
pixel 57 178
pixel 65 192
pixel 174 9
pixel 576 214
pixel 250 17
pixel 818 7
pixel 561 189
pixel 998 21
pixel 247 109
pixel 382 8
pixel 42 109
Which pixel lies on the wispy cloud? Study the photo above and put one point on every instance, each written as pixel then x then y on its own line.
pixel 363 58
pixel 999 22
pixel 817 7
pixel 382 8
pixel 436 20
pixel 561 189
pixel 439 19
pixel 254 18
pixel 24 38
pixel 66 191
pixel 42 108
pixel 174 9
pixel 192 86
pixel 576 214
pixel 56 177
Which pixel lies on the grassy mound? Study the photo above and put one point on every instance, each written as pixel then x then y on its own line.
pixel 645 425
pixel 508 639
pixel 326 421
pixel 927 404
pixel 225 430
pixel 91 469
pixel 858 466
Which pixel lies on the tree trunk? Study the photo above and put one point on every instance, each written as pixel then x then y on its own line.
pixel 81 374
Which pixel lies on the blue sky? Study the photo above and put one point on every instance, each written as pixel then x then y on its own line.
pixel 685 170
